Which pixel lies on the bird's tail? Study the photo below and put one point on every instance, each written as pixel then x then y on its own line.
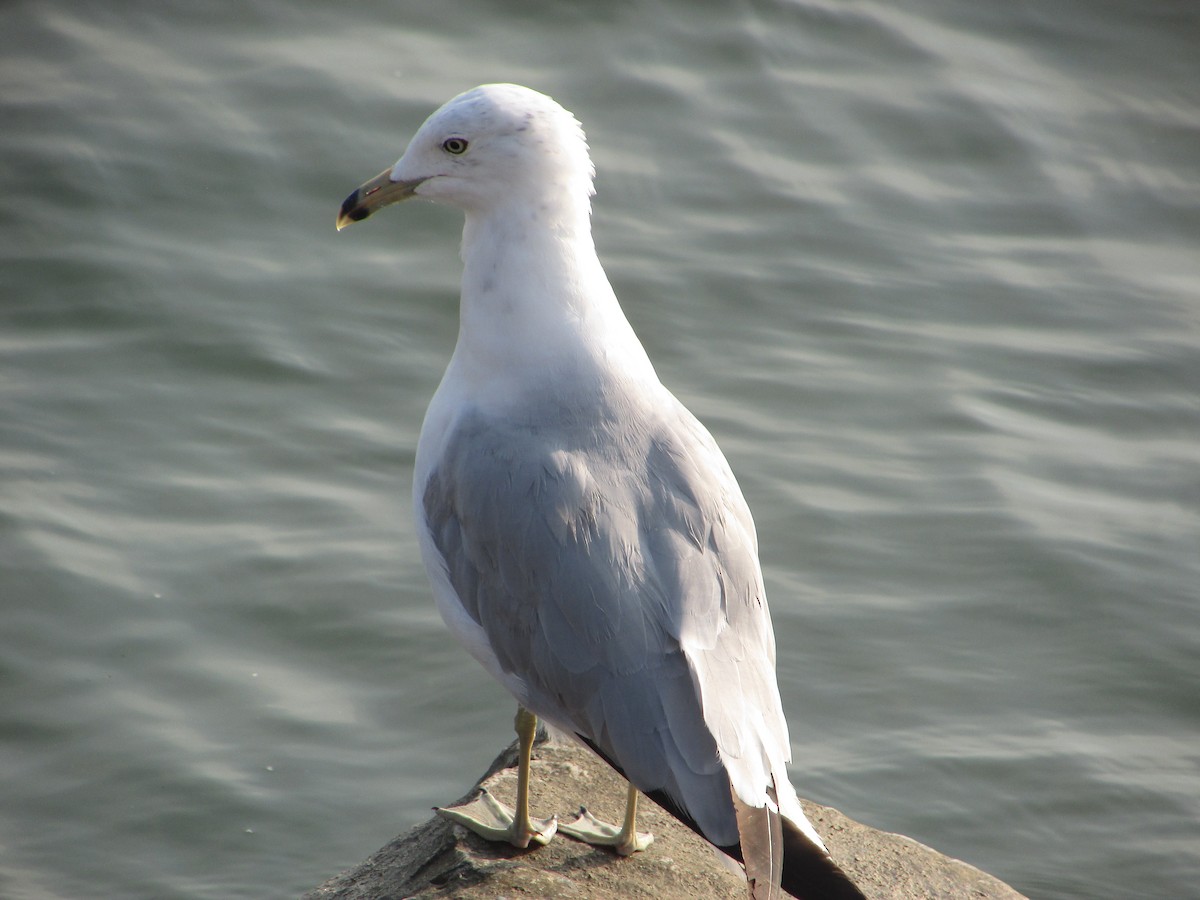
pixel 762 845
pixel 772 842
pixel 808 871
pixel 780 852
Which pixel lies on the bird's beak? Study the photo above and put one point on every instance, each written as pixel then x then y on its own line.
pixel 375 194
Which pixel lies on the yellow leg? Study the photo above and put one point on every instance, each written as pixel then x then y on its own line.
pixel 626 840
pixel 491 819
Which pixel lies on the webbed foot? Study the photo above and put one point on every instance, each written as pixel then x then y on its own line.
pixel 587 828
pixel 493 821
pixel 626 840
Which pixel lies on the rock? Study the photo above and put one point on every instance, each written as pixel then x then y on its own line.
pixel 437 859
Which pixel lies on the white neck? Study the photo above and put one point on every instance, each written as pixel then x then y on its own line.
pixel 537 306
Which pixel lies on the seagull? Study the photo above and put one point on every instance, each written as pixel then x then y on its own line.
pixel 584 535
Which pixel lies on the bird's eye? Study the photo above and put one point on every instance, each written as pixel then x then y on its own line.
pixel 454 145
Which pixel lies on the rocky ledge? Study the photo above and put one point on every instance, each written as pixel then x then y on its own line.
pixel 439 860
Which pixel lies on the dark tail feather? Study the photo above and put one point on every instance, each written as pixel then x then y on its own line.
pixel 809 873
pixel 762 846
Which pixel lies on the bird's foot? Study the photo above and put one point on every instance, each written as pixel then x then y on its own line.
pixel 493 821
pixel 625 840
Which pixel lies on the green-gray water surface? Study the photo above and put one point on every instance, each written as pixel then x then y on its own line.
pixel 929 272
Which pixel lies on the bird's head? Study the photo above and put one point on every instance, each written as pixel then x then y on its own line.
pixel 492 145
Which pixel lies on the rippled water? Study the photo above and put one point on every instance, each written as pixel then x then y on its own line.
pixel 930 275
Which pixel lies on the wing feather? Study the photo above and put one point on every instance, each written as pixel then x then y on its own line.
pixel 614 573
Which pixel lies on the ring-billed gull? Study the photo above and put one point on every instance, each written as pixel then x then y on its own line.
pixel 585 537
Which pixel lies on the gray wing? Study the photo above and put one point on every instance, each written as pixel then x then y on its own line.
pixel 614 571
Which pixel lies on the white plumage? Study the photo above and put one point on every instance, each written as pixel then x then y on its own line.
pixel 585 537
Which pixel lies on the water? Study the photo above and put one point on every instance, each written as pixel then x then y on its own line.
pixel 930 274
